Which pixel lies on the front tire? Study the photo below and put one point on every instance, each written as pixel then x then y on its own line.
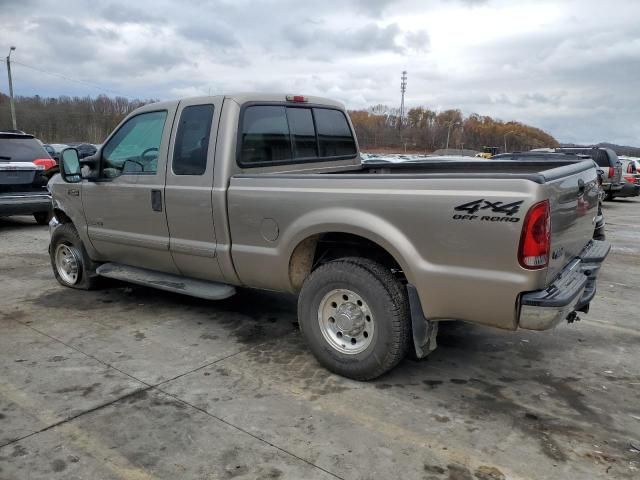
pixel 71 264
pixel 354 315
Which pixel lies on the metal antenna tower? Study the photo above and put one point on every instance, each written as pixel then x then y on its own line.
pixel 403 89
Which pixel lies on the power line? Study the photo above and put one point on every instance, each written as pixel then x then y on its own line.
pixel 64 77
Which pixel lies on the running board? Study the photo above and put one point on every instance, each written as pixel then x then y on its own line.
pixel 167 281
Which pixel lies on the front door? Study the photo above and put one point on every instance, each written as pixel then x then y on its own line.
pixel 125 208
pixel 189 189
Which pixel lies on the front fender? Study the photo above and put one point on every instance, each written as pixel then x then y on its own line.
pixel 67 208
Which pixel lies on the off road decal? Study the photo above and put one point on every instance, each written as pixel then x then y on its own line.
pixel 506 211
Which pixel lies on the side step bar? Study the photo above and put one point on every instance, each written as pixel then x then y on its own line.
pixel 167 281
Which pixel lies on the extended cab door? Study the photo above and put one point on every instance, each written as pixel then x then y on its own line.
pixel 124 206
pixel 189 187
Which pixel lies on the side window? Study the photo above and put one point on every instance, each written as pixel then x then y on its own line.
pixel 303 133
pixel 192 140
pixel 135 146
pixel 334 135
pixel 264 135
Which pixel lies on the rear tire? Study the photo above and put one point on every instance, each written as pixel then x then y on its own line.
pixel 42 218
pixel 354 315
pixel 71 264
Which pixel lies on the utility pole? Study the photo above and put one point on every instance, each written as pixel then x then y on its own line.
pixel 449 133
pixel 505 139
pixel 11 101
pixel 403 89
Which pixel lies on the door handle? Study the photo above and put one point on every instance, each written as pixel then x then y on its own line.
pixel 580 187
pixel 156 200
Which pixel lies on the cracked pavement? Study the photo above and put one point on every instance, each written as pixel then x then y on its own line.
pixel 129 382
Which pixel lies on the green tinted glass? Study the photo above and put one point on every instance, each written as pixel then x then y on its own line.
pixel 134 148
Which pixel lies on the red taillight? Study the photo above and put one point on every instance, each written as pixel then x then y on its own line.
pixel 45 163
pixel 296 98
pixel 535 241
pixel 612 172
pixel 630 178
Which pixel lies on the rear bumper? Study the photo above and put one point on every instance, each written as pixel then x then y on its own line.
pixel 24 203
pixel 571 291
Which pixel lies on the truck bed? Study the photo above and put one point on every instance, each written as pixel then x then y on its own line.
pixel 539 171
pixel 453 226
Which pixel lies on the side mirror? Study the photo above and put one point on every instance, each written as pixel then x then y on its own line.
pixel 70 170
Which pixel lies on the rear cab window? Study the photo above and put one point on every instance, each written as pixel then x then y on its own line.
pixel 16 148
pixel 282 134
pixel 599 156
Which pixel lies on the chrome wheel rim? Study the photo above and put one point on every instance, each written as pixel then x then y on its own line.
pixel 68 263
pixel 346 321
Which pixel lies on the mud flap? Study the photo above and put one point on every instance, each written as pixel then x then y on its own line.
pixel 424 331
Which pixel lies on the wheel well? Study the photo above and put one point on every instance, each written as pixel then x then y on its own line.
pixel 61 216
pixel 318 249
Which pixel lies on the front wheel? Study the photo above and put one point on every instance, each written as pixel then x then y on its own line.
pixel 71 264
pixel 354 315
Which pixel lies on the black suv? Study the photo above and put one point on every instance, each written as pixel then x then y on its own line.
pixel 25 168
pixel 599 222
pixel 608 161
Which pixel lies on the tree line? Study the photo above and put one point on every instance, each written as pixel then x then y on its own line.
pixel 425 130
pixel 90 119
pixel 67 119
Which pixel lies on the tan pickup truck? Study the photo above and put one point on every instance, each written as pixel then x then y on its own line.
pixel 204 195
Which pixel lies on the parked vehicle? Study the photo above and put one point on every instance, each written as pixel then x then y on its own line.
pixel 24 173
pixel 54 149
pixel 631 169
pixel 630 179
pixel 268 192
pixel 629 187
pixel 630 160
pixel 84 149
pixel 540 154
pixel 608 161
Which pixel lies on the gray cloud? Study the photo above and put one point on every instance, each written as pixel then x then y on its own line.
pixel 123 13
pixel 363 39
pixel 212 33
pixel 472 3
pixel 418 40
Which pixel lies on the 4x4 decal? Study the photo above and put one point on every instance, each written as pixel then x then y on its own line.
pixel 507 210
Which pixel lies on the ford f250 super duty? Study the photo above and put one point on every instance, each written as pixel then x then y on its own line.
pixel 204 195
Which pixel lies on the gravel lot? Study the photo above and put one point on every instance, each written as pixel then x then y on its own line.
pixel 129 382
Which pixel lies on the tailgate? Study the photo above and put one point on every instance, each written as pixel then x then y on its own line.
pixel 573 199
pixel 18 173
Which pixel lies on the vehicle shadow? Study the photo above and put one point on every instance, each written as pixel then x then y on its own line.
pixel 19 222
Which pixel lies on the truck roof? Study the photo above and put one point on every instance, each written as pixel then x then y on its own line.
pixel 247 97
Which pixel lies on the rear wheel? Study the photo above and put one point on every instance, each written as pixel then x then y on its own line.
pixel 71 264
pixel 354 315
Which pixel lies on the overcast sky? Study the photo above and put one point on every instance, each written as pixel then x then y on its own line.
pixel 569 67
